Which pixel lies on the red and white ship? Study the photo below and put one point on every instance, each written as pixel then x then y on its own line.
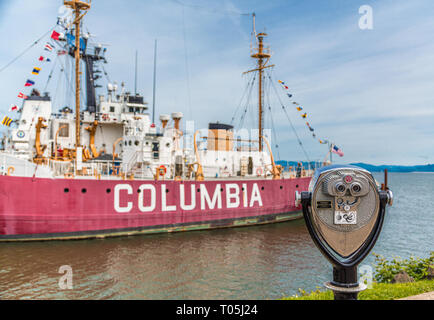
pixel 109 171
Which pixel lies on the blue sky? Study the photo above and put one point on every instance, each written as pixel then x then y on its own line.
pixel 369 91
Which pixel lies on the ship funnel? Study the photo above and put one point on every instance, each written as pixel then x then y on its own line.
pixel 164 118
pixel 177 116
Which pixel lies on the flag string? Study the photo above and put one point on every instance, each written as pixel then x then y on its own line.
pixel 304 115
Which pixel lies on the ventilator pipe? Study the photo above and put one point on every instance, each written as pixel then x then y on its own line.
pixel 39 148
pixel 275 171
pixel 199 172
pixel 92 131
pixel 164 118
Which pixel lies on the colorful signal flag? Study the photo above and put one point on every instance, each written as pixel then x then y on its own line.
pixel 6 121
pixel 41 58
pixel 48 47
pixel 29 83
pixel 22 96
pixel 55 35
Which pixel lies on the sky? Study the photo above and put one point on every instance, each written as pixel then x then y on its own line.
pixel 370 91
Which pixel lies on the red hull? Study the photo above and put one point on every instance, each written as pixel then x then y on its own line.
pixel 38 209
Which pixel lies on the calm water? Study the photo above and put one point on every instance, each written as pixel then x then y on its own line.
pixel 265 262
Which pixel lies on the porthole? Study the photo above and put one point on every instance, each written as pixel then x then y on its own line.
pixel 66 190
pixel 136 142
pixel 83 190
pixel 108 190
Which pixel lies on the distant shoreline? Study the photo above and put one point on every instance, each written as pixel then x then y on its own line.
pixel 428 168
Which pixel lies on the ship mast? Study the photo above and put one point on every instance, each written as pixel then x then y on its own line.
pixel 262 55
pixel 77 6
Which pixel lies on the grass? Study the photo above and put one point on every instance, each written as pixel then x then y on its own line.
pixel 379 291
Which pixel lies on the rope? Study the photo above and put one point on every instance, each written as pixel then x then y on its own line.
pixel 289 119
pixel 272 120
pixel 27 49
pixel 242 97
pixel 243 115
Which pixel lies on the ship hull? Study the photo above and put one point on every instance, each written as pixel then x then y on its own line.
pixel 46 209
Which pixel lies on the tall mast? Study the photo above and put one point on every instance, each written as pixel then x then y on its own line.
pixel 155 81
pixel 77 7
pixel 135 76
pixel 262 55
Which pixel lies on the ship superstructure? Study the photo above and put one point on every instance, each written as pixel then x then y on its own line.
pixel 108 170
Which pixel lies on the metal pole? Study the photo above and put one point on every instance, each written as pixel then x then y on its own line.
pixel 155 81
pixel 135 76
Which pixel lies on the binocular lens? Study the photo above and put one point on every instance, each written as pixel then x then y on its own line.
pixel 340 187
pixel 356 187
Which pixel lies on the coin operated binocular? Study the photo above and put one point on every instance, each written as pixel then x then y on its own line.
pixel 344 211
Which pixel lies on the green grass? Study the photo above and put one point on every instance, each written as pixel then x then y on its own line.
pixel 380 291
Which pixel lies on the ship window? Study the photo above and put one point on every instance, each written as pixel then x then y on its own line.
pixel 108 190
pixel 64 130
pixel 83 190
pixel 131 109
pixel 66 190
pixel 112 109
pixel 136 142
pixel 129 142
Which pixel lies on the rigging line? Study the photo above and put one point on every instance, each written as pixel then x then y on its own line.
pixel 59 83
pixel 27 49
pixel 289 119
pixel 242 97
pixel 243 115
pixel 272 120
pixel 248 89
pixel 106 74
pixel 51 73
pixel 70 84
pixel 187 74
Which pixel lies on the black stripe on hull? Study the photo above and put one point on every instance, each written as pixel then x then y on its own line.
pixel 179 227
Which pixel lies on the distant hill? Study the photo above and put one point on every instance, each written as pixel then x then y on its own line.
pixel 390 168
pixel 369 167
